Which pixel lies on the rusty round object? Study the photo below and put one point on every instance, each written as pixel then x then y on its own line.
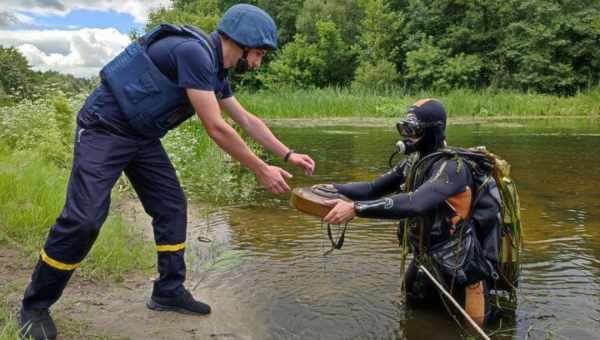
pixel 307 201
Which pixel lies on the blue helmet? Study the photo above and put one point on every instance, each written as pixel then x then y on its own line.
pixel 249 26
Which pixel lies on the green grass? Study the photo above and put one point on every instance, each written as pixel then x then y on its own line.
pixel 9 328
pixel 32 193
pixel 346 102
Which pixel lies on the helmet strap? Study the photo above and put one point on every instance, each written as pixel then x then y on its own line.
pixel 242 65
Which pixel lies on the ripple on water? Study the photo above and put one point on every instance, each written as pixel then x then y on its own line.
pixel 297 293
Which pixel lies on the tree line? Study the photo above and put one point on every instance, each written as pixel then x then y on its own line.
pixel 18 81
pixel 545 46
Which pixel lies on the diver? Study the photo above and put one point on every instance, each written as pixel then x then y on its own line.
pixel 433 195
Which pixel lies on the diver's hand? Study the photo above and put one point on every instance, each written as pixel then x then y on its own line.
pixel 272 178
pixel 342 212
pixel 303 162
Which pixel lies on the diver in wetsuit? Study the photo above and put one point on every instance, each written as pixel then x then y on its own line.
pixel 435 198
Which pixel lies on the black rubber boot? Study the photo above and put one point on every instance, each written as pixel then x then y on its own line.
pixel 184 303
pixel 37 324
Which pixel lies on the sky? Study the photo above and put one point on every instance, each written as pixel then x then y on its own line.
pixel 71 36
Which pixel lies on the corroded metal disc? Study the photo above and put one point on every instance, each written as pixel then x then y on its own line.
pixel 305 200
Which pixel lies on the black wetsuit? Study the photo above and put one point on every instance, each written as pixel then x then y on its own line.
pixel 446 178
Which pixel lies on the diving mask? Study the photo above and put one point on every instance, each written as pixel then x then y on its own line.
pixel 411 127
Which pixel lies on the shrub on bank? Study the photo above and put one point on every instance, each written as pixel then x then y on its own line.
pixel 46 126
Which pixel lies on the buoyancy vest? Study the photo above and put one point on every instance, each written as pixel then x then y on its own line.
pixel 152 103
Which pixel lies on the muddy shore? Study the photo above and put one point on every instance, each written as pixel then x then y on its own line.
pixel 116 310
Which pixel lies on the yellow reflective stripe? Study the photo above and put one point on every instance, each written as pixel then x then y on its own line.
pixel 57 264
pixel 170 247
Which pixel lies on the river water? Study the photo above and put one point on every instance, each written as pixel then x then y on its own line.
pixel 269 257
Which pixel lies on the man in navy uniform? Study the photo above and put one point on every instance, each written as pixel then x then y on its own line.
pixel 159 81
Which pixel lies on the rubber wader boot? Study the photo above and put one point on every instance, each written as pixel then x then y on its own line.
pixel 184 303
pixel 37 324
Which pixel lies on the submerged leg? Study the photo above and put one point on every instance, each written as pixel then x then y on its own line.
pixel 475 302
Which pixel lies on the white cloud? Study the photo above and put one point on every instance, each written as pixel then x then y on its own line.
pixel 81 53
pixel 16 20
pixel 8 19
pixel 25 19
pixel 137 8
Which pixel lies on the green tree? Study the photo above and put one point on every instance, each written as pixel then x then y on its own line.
pixel 379 74
pixel 549 49
pixel 534 45
pixel 539 45
pixel 295 66
pixel 202 14
pixel 343 13
pixel 284 13
pixel 378 46
pixel 302 63
pixel 424 65
pixel 15 73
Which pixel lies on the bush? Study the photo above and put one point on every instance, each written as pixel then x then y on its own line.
pixel 431 67
pixel 45 126
pixel 380 75
pixel 306 64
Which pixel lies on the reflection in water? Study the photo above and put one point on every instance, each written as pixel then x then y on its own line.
pixel 270 257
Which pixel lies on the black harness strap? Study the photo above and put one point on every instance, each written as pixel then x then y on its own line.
pixel 340 241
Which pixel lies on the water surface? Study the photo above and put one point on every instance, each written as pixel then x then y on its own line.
pixel 270 257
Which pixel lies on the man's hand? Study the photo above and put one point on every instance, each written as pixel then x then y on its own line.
pixel 342 212
pixel 272 178
pixel 303 162
pixel 259 131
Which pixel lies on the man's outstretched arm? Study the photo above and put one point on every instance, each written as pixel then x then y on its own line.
pixel 261 133
pixel 207 107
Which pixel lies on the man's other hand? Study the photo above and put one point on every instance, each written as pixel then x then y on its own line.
pixel 303 162
pixel 272 178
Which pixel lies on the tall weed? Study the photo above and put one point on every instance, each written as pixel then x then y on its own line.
pixel 365 102
pixel 32 192
pixel 9 328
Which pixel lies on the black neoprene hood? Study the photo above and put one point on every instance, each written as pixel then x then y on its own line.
pixel 430 111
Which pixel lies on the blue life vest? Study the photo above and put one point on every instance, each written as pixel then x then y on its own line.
pixel 152 103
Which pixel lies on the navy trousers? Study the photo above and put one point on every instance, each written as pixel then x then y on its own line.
pixel 101 155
